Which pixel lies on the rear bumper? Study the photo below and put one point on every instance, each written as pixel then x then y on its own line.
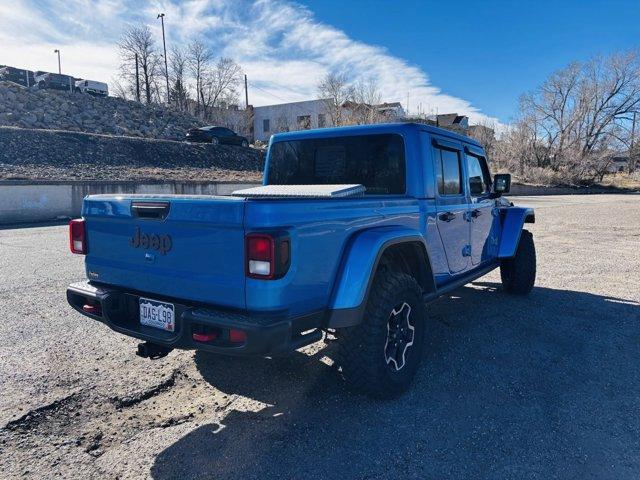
pixel 265 334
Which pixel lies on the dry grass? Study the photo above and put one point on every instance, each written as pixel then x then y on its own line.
pixel 622 180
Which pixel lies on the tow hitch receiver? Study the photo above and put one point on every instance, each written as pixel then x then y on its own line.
pixel 152 350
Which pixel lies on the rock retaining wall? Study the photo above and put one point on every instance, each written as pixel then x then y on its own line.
pixel 60 110
pixel 32 154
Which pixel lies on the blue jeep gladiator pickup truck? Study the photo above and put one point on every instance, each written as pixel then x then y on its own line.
pixel 354 231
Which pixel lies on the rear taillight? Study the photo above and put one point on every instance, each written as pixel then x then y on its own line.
pixel 77 236
pixel 268 256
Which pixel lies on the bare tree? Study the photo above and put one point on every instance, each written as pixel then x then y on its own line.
pixel 366 98
pixel 117 89
pixel 178 92
pixel 138 40
pixel 220 84
pixel 485 133
pixel 199 58
pixel 579 117
pixel 334 91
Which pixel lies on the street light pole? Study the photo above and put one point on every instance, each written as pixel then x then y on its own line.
pixel 166 67
pixel 58 52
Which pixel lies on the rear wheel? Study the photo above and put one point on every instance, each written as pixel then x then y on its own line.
pixel 519 273
pixel 380 356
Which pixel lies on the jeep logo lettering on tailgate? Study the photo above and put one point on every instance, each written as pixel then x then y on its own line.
pixel 161 243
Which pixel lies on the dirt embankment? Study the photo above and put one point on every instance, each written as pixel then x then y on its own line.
pixel 59 110
pixel 34 154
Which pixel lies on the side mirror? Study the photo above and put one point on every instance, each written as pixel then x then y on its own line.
pixel 501 184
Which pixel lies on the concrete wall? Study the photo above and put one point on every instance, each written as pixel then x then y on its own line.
pixel 28 201
pixel 31 201
pixel 532 190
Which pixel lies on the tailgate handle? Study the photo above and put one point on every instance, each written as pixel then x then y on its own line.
pixel 153 210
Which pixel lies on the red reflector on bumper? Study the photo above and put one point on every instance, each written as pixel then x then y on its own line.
pixel 92 309
pixel 205 337
pixel 237 336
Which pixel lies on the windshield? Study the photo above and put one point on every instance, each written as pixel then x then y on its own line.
pixel 375 161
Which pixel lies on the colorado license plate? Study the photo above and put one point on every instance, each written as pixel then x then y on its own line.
pixel 157 314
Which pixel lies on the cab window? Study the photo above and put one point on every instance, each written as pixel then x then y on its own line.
pixel 448 172
pixel 376 161
pixel 479 179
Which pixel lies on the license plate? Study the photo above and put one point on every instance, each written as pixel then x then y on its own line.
pixel 157 314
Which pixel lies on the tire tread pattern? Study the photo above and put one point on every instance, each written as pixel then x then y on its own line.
pixel 518 274
pixel 361 348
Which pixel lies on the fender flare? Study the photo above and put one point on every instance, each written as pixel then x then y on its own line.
pixel 514 219
pixel 357 268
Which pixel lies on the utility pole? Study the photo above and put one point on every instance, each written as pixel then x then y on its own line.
pixel 137 80
pixel 248 113
pixel 632 160
pixel 166 67
pixel 633 126
pixel 246 93
pixel 58 52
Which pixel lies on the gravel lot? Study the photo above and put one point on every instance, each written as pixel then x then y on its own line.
pixel 546 386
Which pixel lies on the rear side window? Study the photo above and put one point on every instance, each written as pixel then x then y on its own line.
pixel 375 161
pixel 448 172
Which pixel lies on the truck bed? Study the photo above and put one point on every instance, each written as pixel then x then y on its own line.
pixel 205 261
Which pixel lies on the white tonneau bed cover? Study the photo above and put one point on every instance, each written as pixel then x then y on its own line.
pixel 302 191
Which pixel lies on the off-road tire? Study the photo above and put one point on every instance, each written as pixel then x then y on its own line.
pixel 518 274
pixel 361 349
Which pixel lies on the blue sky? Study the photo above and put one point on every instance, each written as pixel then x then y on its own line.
pixel 488 51
pixel 469 57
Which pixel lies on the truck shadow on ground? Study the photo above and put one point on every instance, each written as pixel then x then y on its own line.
pixel 539 386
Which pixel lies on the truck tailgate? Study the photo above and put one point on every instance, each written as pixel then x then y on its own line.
pixel 190 247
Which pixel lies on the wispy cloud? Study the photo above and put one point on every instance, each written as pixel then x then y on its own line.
pixel 281 46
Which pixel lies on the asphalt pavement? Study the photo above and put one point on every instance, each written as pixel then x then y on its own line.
pixel 536 387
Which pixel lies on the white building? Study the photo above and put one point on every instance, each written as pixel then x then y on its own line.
pixel 305 115
pixel 285 117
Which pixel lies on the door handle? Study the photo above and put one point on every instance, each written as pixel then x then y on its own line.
pixel 447 217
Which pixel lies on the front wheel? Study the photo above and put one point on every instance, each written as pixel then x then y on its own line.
pixel 244 144
pixel 215 141
pixel 380 356
pixel 518 274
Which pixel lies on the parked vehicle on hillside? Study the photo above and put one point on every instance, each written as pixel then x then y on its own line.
pixel 17 75
pixel 353 233
pixel 97 89
pixel 55 81
pixel 216 135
